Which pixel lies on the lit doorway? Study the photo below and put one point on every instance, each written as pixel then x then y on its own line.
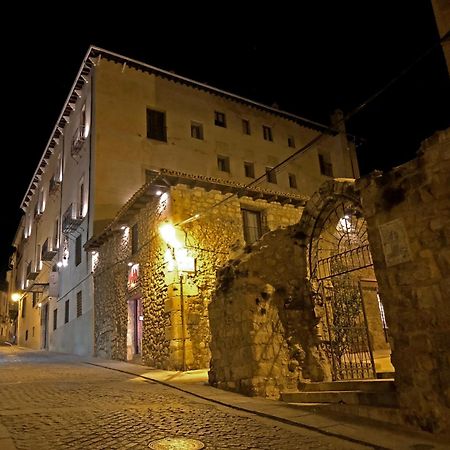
pixel 134 330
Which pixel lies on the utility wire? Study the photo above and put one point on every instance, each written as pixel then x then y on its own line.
pixel 280 166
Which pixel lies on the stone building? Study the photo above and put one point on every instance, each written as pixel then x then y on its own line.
pixel 123 121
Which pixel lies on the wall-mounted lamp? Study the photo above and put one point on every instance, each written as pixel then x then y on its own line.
pixel 16 296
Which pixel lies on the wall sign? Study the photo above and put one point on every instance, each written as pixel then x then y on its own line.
pixel 133 277
pixel 395 242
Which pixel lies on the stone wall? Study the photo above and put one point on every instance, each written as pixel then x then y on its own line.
pixel 176 329
pixel 264 336
pixel 408 216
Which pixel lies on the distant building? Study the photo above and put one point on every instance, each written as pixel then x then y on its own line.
pixel 125 125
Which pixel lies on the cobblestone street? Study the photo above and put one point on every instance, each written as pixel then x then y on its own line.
pixel 50 401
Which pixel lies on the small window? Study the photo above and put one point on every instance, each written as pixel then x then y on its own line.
pixel 79 304
pixel 220 119
pixel 78 250
pixel 249 169
pixel 291 141
pixel 32 332
pixel 35 300
pixel 56 235
pixel 251 221
pixel 66 311
pixel 271 175
pixel 267 133
pixel 26 335
pixel 134 239
pixel 246 126
pixel 55 318
pixel 81 197
pixel 292 181
pixel 223 163
pixel 24 306
pixel 156 125
pixel 196 130
pixel 326 167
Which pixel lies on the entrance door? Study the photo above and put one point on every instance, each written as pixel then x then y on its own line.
pixel 134 332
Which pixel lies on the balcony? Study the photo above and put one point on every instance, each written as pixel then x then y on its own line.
pixel 48 253
pixel 32 271
pixel 71 219
pixel 78 140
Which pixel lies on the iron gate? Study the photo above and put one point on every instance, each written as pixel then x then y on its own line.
pixel 341 257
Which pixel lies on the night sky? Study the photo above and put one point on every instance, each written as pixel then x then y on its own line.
pixel 309 62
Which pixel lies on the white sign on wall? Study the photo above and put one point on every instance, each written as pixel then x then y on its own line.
pixel 395 242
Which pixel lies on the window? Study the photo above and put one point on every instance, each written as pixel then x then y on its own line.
pixel 26 335
pixel 220 119
pixel 35 300
pixel 81 197
pixel 223 163
pixel 66 311
pixel 56 235
pixel 134 239
pixel 83 118
pixel 24 306
pixel 55 318
pixel 246 126
pixel 249 169
pixel 326 168
pixel 79 304
pixel 32 332
pixel 271 175
pixel 291 141
pixel 197 130
pixel 156 125
pixel 251 221
pixel 292 181
pixel 267 133
pixel 78 250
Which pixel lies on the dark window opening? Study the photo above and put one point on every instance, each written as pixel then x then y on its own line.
pixel 249 169
pixel 156 125
pixel 292 181
pixel 291 142
pixel 251 221
pixel 134 239
pixel 79 304
pixel 78 251
pixel 197 130
pixel 220 119
pixel 326 168
pixel 55 318
pixel 223 163
pixel 267 133
pixel 66 311
pixel 271 175
pixel 246 126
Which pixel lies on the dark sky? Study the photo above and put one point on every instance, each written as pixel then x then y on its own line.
pixel 309 61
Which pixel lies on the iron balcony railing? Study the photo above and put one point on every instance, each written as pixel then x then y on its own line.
pixel 48 253
pixel 71 219
pixel 32 271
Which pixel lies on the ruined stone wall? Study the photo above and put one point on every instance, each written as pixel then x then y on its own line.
pixel 264 337
pixel 408 216
pixel 212 239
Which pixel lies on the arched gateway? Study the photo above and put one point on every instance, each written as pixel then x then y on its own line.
pixel 343 283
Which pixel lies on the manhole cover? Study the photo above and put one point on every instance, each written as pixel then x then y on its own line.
pixel 176 444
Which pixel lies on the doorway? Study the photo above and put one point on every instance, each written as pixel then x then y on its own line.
pixel 134 330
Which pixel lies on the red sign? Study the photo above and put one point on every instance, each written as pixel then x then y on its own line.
pixel 133 277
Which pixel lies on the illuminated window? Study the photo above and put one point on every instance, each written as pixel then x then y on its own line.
pixel 220 119
pixel 246 126
pixel 156 125
pixel 292 181
pixel 267 133
pixel 271 175
pixel 251 221
pixel 196 130
pixel 326 167
pixel 249 169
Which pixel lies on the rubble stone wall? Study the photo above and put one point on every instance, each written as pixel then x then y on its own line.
pixel 408 216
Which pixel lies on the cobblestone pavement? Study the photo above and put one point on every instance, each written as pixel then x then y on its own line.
pixel 57 402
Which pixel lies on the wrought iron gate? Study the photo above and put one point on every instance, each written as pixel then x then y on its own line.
pixel 341 256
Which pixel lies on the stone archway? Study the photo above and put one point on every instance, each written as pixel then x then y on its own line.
pixel 342 283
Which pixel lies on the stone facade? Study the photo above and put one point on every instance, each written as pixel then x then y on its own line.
pixel 176 329
pixel 408 216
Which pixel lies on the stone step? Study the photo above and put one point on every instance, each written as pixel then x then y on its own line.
pixel 375 385
pixel 346 397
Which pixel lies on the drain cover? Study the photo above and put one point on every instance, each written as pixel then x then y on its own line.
pixel 176 444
